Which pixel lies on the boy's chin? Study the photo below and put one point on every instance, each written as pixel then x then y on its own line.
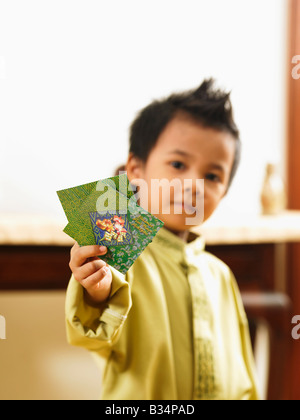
pixel 180 223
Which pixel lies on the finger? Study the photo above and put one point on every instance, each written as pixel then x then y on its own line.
pixel 81 254
pixel 95 280
pixel 89 268
pixel 74 248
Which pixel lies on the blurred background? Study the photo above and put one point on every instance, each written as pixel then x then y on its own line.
pixel 73 75
pixel 76 74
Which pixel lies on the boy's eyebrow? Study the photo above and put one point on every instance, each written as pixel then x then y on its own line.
pixel 179 152
pixel 217 166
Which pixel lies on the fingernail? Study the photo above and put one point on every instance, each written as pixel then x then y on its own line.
pixel 102 248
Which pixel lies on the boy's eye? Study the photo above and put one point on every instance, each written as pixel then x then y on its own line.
pixel 177 164
pixel 212 177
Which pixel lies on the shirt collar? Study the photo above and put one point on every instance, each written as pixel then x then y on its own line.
pixel 195 244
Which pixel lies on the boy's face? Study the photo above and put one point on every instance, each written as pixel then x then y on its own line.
pixel 184 152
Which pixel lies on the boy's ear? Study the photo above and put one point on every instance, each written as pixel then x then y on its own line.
pixel 134 167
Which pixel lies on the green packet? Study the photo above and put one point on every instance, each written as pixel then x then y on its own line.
pixel 106 213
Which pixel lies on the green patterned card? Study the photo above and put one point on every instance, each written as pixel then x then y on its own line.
pixel 106 213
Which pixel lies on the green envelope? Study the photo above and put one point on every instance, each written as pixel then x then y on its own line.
pixel 106 213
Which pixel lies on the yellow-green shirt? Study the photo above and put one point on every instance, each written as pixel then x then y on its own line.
pixel 174 327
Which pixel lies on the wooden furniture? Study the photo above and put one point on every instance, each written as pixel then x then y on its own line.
pixel 34 254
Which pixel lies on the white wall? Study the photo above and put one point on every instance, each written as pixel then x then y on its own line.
pixel 74 73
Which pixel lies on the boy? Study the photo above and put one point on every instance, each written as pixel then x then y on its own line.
pixel 174 326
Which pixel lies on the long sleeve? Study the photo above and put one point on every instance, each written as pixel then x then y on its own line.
pixel 97 328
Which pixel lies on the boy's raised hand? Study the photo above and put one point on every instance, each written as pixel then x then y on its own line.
pixel 91 272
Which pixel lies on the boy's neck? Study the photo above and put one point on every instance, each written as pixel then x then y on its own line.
pixel 182 234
